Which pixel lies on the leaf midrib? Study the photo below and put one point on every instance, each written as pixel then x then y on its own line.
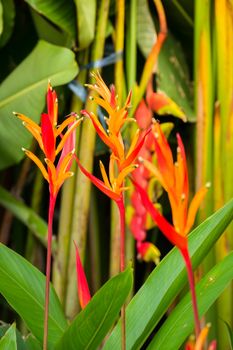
pixel 29 88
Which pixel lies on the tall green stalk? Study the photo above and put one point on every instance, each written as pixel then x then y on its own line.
pixel 82 186
pixel 204 111
pixel 224 147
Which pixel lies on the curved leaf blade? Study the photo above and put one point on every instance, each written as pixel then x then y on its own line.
pixel 173 78
pixel 59 12
pixel 146 33
pixel 180 323
pixel 90 327
pixel 33 221
pixel 7 7
pixel 22 285
pixel 86 15
pixel 8 341
pixel 24 91
pixel 152 300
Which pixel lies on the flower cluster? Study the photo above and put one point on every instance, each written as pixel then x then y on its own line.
pixel 46 135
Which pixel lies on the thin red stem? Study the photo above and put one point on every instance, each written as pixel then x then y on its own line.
pixel 121 208
pixel 52 201
pixel 188 263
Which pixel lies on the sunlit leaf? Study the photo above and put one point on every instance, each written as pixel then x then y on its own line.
pixel 86 14
pixel 91 325
pixel 24 91
pixel 180 323
pixel 59 12
pixel 164 283
pixel 8 341
pixel 22 285
pixel 173 77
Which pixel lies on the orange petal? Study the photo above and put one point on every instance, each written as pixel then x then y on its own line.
pixel 194 205
pixel 98 183
pixel 37 161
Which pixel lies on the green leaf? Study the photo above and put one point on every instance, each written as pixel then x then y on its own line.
pixel 22 285
pixel 86 14
pixel 59 12
pixel 33 221
pixel 180 323
pixel 7 20
pixel 146 34
pixel 48 32
pixel 24 91
pixel 166 281
pixel 19 340
pixel 90 327
pixel 172 78
pixel 8 341
pixel 32 343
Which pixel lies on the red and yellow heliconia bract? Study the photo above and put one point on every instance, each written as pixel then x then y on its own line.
pixel 121 163
pixel 46 135
pixel 199 343
pixel 173 177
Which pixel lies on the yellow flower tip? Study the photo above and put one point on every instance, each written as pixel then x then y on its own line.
pixel 156 135
pixel 15 114
pixel 24 149
pixel 208 325
pixel 136 166
pixel 70 173
pixel 140 159
pixel 208 184
pixel 46 160
pixel 176 164
pixel 183 196
pixel 178 149
pixel 91 98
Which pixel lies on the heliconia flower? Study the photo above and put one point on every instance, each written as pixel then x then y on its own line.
pixel 199 344
pixel 117 117
pixel 46 135
pixel 82 285
pixel 159 102
pixel 173 177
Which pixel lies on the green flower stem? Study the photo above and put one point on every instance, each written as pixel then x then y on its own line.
pixel 119 47
pixel 131 45
pixel 94 243
pixel 115 242
pixel 82 192
pixel 204 102
pixel 223 143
